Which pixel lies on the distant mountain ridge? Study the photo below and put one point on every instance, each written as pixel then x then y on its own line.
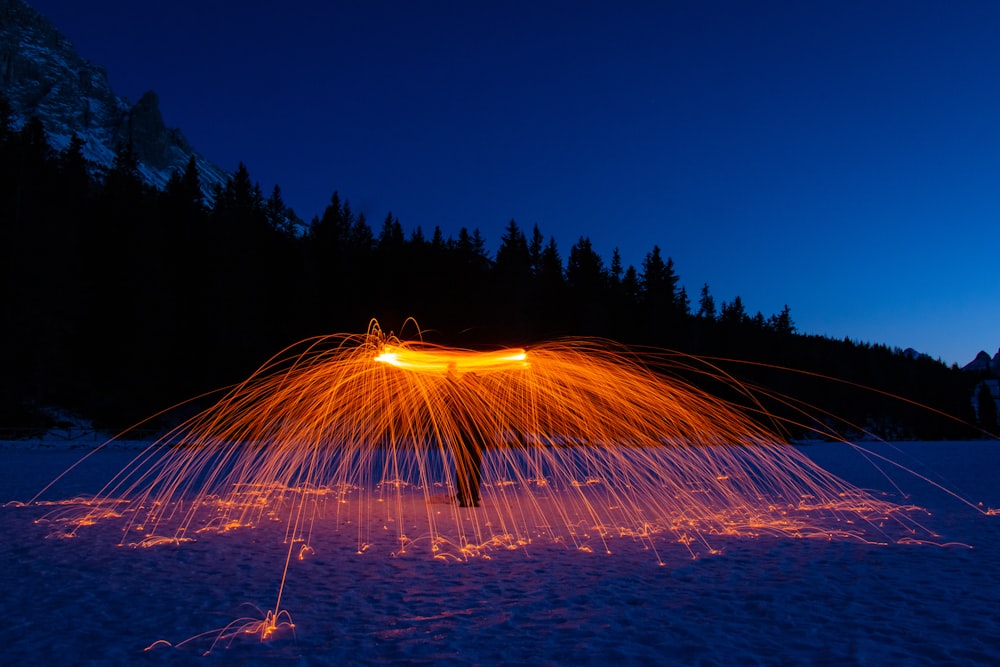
pixel 42 75
pixel 983 363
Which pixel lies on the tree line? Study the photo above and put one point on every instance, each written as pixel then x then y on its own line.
pixel 120 298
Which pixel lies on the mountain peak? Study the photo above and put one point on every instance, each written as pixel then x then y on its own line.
pixel 42 75
pixel 154 143
pixel 983 362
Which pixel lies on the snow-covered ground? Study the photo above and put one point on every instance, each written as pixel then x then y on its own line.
pixel 765 601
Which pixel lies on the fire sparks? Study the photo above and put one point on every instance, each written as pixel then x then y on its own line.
pixel 414 447
pixel 451 362
pixel 576 441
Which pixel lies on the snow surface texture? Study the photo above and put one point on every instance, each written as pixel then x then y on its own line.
pixel 765 601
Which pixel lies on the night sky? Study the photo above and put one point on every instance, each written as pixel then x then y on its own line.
pixel 839 157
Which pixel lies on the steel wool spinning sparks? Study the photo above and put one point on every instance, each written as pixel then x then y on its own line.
pixel 576 441
pixel 410 447
pixel 451 361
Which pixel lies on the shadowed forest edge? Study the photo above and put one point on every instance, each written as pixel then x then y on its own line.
pixel 120 299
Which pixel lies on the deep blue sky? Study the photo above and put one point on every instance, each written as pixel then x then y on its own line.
pixel 839 157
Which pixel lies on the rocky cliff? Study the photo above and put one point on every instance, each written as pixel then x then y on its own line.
pixel 42 75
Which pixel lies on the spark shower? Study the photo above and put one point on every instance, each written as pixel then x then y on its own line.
pixel 408 447
pixel 578 441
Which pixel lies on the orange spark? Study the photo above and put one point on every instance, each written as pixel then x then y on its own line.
pixel 414 446
pixel 576 440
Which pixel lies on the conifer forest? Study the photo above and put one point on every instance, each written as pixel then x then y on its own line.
pixel 119 299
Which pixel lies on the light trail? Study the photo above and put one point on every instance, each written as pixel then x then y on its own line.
pixel 413 447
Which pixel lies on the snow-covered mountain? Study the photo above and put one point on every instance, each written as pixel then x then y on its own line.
pixel 41 74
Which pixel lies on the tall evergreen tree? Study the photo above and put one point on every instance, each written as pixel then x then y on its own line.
pixel 782 323
pixel 513 260
pixel 437 240
pixel 75 179
pixel 587 284
pixel 631 286
pixel 417 237
pixel 706 303
pixel 549 298
pixel 6 120
pixel 189 242
pixel 30 157
pixel 733 313
pixel 362 239
pixel 392 284
pixel 241 202
pixel 535 248
pixel 683 302
pixel 585 273
pixel 32 143
pixel 512 279
pixel 550 269
pixel 616 268
pixel 659 308
pixel 278 216
pixel 987 408
pixel 183 192
pixel 479 248
pixel 470 250
pixel 391 238
pixel 659 282
pixel 332 230
pixel 124 178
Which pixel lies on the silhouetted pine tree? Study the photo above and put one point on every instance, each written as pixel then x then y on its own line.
pixel 74 178
pixel 733 313
pixel 624 296
pixel 26 228
pixel 987 408
pixel 240 278
pixel 782 323
pixel 549 303
pixel 706 303
pixel 435 304
pixel 659 295
pixel 6 121
pixel 512 279
pixel 468 285
pixel 330 264
pixel 392 285
pixel 587 282
pixel 513 259
pixel 278 216
pixel 535 247
pixel 683 303
pixel 631 287
pixel 189 249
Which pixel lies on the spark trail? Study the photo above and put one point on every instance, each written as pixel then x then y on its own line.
pixel 578 440
pixel 407 446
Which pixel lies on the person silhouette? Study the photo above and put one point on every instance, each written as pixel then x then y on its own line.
pixel 469 439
